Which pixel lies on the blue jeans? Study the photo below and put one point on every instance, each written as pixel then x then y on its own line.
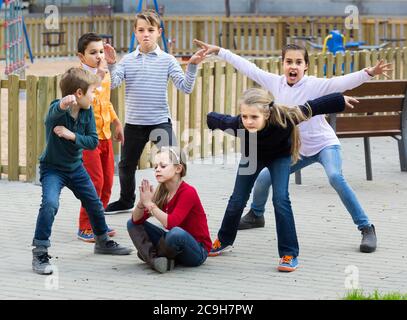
pixel 190 253
pixel 331 159
pixel 79 182
pixel 279 172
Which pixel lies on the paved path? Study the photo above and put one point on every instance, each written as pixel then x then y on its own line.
pixel 328 241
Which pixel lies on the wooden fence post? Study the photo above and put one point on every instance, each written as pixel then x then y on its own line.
pixel 348 62
pixel 31 138
pixel 206 69
pixel 339 64
pixel 217 136
pixel 404 62
pixel 13 127
pixel 321 65
pixel 227 139
pixel 194 110
pixel 329 65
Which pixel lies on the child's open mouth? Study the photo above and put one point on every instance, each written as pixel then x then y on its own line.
pixel 292 75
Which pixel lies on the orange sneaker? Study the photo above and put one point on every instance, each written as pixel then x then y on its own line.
pixel 88 236
pixel 288 264
pixel 218 248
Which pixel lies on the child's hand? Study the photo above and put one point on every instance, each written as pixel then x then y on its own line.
pixel 380 68
pixel 198 57
pixel 110 53
pixel 349 101
pixel 209 48
pixel 118 133
pixel 102 69
pixel 146 193
pixel 67 101
pixel 63 132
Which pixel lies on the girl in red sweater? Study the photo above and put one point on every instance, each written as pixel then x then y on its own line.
pixel 176 205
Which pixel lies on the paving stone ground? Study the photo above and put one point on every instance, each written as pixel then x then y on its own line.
pixel 329 241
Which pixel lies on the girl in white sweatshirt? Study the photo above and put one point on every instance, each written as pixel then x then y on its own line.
pixel 319 142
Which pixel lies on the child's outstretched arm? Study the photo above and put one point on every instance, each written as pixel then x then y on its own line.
pixel 184 81
pixel 331 103
pixel 117 70
pixel 198 57
pixel 266 79
pixel 352 80
pixel 223 122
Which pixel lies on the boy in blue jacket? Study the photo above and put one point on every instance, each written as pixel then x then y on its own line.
pixel 70 128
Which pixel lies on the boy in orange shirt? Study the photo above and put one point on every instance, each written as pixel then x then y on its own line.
pixel 99 163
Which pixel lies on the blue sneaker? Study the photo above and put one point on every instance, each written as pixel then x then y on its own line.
pixel 88 236
pixel 288 264
pixel 218 248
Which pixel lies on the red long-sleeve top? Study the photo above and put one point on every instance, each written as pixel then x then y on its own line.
pixel 185 211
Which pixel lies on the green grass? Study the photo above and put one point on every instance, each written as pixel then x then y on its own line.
pixel 376 295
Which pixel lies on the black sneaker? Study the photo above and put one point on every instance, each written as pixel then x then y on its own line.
pixel 250 221
pixel 118 207
pixel 40 263
pixel 369 240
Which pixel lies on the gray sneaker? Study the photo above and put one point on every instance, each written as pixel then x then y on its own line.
pixel 163 264
pixel 250 221
pixel 40 263
pixel 104 245
pixel 369 240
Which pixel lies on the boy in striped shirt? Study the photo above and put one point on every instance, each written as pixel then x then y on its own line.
pixel 146 71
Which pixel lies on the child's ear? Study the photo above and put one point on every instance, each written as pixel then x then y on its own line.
pixel 81 57
pixel 178 169
pixel 306 67
pixel 79 93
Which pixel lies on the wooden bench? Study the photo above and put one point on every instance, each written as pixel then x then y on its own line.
pixel 382 112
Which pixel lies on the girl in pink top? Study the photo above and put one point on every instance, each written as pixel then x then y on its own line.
pixel 319 142
pixel 176 205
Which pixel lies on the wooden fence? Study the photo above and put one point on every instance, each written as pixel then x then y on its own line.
pixel 217 88
pixel 248 35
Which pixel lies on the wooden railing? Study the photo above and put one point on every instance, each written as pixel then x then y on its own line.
pixel 246 35
pixel 217 88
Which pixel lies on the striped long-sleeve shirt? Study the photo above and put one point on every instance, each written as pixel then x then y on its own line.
pixel 146 77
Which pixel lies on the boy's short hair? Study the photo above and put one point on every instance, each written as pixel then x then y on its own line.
pixel 87 38
pixel 151 16
pixel 295 47
pixel 77 78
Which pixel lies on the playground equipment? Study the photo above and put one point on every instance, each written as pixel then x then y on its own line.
pixel 336 41
pixel 133 37
pixel 15 31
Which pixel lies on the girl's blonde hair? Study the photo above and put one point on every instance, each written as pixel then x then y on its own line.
pixel 177 157
pixel 277 115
